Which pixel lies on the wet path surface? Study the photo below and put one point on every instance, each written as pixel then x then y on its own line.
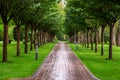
pixel 62 64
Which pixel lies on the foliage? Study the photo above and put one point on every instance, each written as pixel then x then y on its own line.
pixel 60 36
pixel 15 35
pixel 75 16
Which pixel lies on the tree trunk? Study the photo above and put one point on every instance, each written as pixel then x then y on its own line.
pixel 76 41
pixel 34 38
pixel 102 40
pixel 99 36
pixel 96 40
pixel 5 43
pixel 87 38
pixel 114 36
pixel 91 39
pixel 48 37
pixel 18 40
pixel 43 37
pixel 84 39
pixel 26 39
pixel 110 43
pixel 118 37
pixel 31 40
pixel 40 38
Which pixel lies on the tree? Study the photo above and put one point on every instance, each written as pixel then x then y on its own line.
pixel 118 34
pixel 8 8
pixel 18 20
pixel 109 11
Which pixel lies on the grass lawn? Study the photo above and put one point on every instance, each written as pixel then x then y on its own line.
pixel 22 66
pixel 98 65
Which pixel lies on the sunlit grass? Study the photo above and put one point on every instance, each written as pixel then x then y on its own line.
pixel 25 65
pixel 97 64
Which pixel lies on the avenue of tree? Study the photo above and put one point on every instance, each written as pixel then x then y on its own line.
pixel 86 19
pixel 39 19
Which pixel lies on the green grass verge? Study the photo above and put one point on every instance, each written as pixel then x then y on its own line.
pixel 25 65
pixel 98 65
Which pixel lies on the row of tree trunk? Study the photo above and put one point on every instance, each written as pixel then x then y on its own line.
pixel 92 36
pixel 38 37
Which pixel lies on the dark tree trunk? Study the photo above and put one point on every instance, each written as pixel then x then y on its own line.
pixel 84 39
pixel 51 38
pixel 43 37
pixel 91 39
pixel 5 42
pixel 40 38
pixel 99 36
pixel 34 38
pixel 18 40
pixel 31 40
pixel 48 37
pixel 118 36
pixel 87 38
pixel 110 43
pixel 102 40
pixel 76 41
pixel 96 40
pixel 26 39
pixel 45 34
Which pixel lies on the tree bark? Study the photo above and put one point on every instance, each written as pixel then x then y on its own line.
pixel 84 39
pixel 34 38
pixel 18 40
pixel 114 36
pixel 38 38
pixel 102 40
pixel 91 39
pixel 118 36
pixel 87 38
pixel 76 41
pixel 110 42
pixel 26 39
pixel 96 40
pixel 31 40
pixel 41 38
pixel 5 40
pixel 99 36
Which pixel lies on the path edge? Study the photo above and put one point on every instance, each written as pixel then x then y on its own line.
pixel 84 65
pixel 39 67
